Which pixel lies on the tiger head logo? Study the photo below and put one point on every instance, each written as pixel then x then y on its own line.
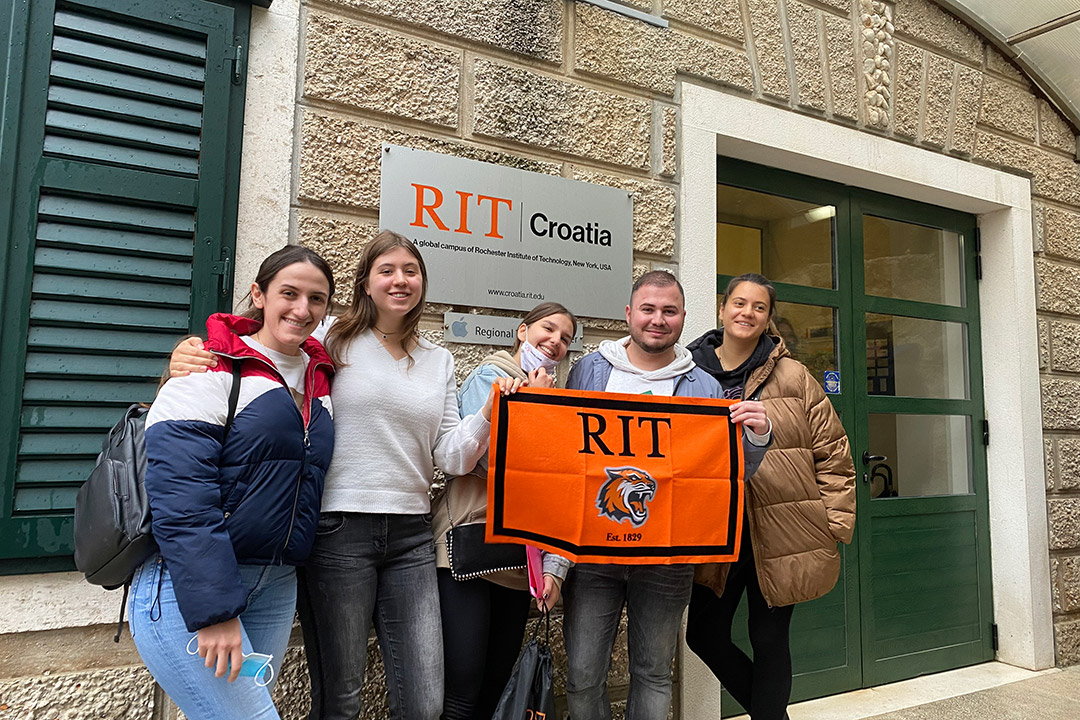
pixel 625 495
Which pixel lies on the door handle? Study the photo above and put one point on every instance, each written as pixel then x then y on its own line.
pixel 867 458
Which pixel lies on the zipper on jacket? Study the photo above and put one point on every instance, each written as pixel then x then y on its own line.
pixel 309 389
pixel 678 382
pixel 754 549
pixel 770 364
pixel 296 501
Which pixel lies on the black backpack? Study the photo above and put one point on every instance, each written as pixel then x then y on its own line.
pixel 112 512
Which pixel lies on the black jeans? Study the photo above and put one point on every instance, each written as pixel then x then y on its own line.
pixel 483 627
pixel 654 597
pixel 762 685
pixel 363 568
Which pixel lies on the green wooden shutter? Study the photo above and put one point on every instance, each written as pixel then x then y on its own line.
pixel 124 209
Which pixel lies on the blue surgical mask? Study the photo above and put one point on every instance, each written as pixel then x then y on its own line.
pixel 255 665
pixel 531 358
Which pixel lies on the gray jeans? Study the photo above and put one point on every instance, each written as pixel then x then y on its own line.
pixel 655 597
pixel 366 567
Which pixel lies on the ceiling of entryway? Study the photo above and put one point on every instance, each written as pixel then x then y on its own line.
pixel 1041 36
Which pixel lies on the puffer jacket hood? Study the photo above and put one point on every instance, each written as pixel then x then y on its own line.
pixel 223 337
pixel 251 497
pixel 225 332
pixel 704 348
pixel 801 502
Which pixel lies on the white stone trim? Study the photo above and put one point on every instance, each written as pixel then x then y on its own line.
pixel 270 133
pixel 51 601
pixel 714 123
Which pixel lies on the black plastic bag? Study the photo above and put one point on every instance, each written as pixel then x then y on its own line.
pixel 529 694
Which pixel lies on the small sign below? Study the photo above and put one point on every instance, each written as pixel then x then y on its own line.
pixel 832 382
pixel 488 330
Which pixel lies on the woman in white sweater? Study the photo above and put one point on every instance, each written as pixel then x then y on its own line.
pixel 396 420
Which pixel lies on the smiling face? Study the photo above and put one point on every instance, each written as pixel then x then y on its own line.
pixel 655 317
pixel 394 285
pixel 294 302
pixel 745 312
pixel 550 335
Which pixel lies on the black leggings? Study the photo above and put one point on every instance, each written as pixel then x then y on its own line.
pixel 762 685
pixel 483 627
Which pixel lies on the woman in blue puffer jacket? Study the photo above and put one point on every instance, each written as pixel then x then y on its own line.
pixel 235 507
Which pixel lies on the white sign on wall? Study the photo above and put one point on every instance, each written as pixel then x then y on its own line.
pixel 488 330
pixel 498 237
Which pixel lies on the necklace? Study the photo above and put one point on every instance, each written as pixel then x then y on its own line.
pixel 720 355
pixel 383 333
pixel 726 363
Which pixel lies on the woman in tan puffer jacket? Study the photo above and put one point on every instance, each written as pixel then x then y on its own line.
pixel 800 504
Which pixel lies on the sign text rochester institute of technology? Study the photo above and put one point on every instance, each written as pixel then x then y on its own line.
pixel 498 237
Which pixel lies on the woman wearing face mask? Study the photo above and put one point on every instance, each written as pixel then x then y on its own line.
pixel 484 618
pixel 373 559
pixel 235 507
pixel 799 505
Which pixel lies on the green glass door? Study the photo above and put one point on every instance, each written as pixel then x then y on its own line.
pixel 797 233
pixel 877 297
pixel 918 423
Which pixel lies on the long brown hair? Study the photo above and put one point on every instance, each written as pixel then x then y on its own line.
pixel 540 312
pixel 362 313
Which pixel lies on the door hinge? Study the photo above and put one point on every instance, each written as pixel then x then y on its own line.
pixel 222 269
pixel 986 432
pixel 238 64
pixel 978 255
pixel 994 636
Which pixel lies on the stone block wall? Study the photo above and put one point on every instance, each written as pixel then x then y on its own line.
pixel 1058 274
pixel 76 674
pixel 571 89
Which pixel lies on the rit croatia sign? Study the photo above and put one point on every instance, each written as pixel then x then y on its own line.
pixel 497 237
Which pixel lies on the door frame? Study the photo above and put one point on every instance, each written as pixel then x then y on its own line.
pixel 850 303
pixel 713 122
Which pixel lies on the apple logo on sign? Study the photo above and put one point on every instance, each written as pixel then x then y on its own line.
pixel 459 328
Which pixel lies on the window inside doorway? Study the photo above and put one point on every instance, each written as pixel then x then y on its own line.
pixel 790 242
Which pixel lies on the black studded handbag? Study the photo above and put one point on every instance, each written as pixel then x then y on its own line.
pixel 471 557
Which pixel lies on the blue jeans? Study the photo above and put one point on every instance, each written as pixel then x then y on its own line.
pixel 655 597
pixel 161 638
pixel 366 567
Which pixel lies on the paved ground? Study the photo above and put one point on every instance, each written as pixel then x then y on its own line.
pixel 990 691
pixel 1051 696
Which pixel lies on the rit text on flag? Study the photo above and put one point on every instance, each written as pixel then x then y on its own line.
pixel 608 478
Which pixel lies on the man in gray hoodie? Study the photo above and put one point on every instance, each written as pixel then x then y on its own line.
pixel 649 362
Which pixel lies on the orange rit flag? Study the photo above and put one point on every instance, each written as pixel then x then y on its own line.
pixel 609 478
